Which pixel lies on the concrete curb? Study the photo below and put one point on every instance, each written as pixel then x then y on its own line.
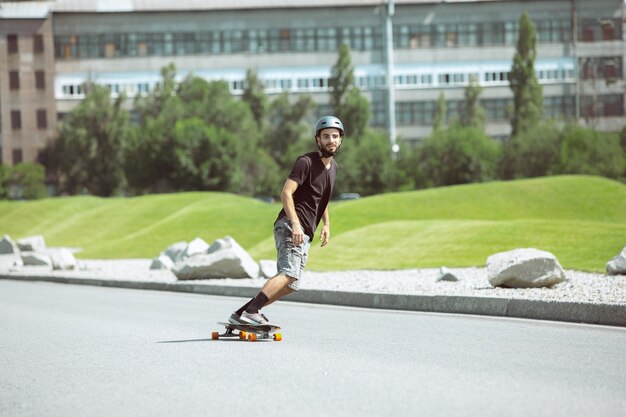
pixel 590 313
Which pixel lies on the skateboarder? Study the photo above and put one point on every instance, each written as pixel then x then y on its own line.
pixel 305 198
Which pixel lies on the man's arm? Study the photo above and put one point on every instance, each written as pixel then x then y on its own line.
pixel 325 235
pixel 286 197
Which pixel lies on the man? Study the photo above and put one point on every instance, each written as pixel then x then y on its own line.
pixel 305 198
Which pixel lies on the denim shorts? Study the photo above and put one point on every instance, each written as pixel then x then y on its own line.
pixel 291 259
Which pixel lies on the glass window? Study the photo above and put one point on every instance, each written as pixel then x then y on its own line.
pixel 42 119
pixel 17 156
pixel 40 80
pixel 368 39
pixel 285 39
pixel 14 80
pixel 16 119
pixel 168 44
pixel 357 38
pixel 12 44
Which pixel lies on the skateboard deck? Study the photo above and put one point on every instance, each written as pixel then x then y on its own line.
pixel 251 332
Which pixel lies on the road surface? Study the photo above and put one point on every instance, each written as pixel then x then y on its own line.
pixel 69 350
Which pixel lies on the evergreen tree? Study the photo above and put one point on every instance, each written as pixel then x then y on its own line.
pixel 256 98
pixel 348 104
pixel 439 118
pixel 527 93
pixel 473 115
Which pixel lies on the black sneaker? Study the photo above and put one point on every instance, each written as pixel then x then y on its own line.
pixel 253 318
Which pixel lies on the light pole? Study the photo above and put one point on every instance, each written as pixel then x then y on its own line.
pixel 391 99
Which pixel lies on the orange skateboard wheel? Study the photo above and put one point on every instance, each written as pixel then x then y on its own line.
pixel 252 337
pixel 215 335
pixel 277 337
pixel 243 335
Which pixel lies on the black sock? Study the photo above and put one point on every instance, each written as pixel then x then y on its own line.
pixel 257 303
pixel 243 307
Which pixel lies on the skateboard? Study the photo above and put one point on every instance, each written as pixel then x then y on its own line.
pixel 250 332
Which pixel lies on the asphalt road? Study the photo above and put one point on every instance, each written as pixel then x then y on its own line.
pixel 70 350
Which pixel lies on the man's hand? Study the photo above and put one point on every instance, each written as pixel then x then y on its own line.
pixel 325 235
pixel 297 234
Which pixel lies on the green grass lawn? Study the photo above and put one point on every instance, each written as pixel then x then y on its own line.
pixel 582 220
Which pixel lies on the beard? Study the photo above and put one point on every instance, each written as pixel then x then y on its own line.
pixel 326 153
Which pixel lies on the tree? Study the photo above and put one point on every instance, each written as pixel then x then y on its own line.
pixel 149 158
pixel 366 167
pixel 439 118
pixel 586 151
pixel 532 153
pixel 205 157
pixel 88 153
pixel 160 153
pixel 256 98
pixel 5 173
pixel 289 133
pixel 527 93
pixel 345 98
pixel 473 115
pixel 28 178
pixel 457 156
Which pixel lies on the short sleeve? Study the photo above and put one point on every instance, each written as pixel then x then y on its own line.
pixel 300 170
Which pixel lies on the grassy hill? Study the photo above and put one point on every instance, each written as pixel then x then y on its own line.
pixel 582 220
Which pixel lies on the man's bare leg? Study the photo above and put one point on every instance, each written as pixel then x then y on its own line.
pixel 277 287
pixel 274 289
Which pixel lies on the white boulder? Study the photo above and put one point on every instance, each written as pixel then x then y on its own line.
pixel 175 251
pixel 446 275
pixel 9 261
pixel 31 243
pixel 162 262
pixel 267 268
pixel 524 268
pixel 36 259
pixel 223 259
pixel 617 265
pixel 195 247
pixel 62 258
pixel 8 246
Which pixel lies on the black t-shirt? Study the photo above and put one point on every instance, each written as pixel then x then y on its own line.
pixel 315 187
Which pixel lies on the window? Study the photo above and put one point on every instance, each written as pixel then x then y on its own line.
pixel 14 80
pixel 38 43
pixel 12 44
pixel 608 30
pixel 17 156
pixel 42 119
pixel 16 120
pixel 40 80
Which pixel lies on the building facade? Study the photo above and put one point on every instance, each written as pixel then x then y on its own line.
pixel 48 50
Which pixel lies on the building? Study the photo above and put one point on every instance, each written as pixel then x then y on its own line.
pixel 49 49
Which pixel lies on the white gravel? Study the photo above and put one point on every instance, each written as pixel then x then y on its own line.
pixel 581 287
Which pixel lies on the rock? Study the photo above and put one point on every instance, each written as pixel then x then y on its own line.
pixel 62 259
pixel 36 259
pixel 617 265
pixel 162 262
pixel 195 247
pixel 223 259
pixel 267 268
pixel 524 268
pixel 31 243
pixel 8 246
pixel 175 251
pixel 8 261
pixel 446 275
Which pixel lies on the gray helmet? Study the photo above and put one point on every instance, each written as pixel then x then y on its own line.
pixel 327 122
